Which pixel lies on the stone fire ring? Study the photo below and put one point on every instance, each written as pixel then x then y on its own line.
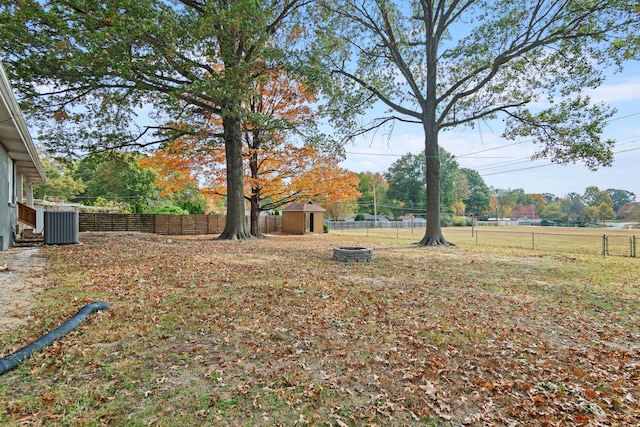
pixel 353 254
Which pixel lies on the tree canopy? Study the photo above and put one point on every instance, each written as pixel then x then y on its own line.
pixel 479 197
pixel 61 184
pixel 442 64
pixel 116 176
pixel 629 212
pixel 406 182
pixel 406 178
pixel 373 194
pixel 285 158
pixel 93 67
pixel 620 197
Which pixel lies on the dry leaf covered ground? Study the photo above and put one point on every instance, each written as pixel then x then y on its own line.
pixel 274 332
pixel 21 275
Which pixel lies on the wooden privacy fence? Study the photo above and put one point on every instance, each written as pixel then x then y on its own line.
pixel 166 224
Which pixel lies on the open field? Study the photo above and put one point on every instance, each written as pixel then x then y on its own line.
pixel 275 332
pixel 569 240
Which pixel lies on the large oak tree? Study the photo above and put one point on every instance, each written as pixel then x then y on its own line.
pixel 286 158
pixel 93 65
pixel 276 173
pixel 446 63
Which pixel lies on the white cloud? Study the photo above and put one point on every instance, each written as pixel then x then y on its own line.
pixel 627 90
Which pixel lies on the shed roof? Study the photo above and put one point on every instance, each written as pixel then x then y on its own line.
pixel 307 206
pixel 15 136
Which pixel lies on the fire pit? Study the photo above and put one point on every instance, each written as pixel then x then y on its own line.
pixel 353 254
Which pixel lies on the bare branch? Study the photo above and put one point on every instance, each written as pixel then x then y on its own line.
pixel 397 107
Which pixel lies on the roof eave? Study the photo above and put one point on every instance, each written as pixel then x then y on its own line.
pixel 15 136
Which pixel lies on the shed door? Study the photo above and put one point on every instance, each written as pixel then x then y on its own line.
pixel 308 223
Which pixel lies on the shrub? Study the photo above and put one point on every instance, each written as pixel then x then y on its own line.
pixel 112 206
pixel 192 208
pixel 461 221
pixel 445 220
pixel 169 210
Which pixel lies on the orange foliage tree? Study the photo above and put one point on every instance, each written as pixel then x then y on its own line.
pixel 277 169
pixel 174 171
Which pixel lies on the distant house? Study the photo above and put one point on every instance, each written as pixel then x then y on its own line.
pixel 413 220
pixel 302 218
pixel 20 168
pixel 527 221
pixel 367 217
pixel 370 217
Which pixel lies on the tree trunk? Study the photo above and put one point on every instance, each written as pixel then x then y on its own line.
pixel 236 226
pixel 255 215
pixel 433 235
pixel 254 144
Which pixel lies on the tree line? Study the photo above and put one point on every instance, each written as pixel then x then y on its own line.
pixel 126 182
pixel 400 191
pixel 164 183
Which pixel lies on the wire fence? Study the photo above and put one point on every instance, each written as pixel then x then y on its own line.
pixel 608 242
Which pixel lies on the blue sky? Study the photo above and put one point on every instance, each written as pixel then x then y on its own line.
pixel 505 163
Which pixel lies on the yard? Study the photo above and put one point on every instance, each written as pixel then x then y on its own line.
pixel 274 332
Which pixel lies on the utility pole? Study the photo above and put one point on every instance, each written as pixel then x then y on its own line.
pixel 375 208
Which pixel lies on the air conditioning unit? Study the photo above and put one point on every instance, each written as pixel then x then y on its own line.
pixel 61 227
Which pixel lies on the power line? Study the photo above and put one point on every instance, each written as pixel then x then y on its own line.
pixel 625 151
pixel 374 154
pixel 493 148
pixel 520 169
pixel 623 117
pixel 400 155
pixel 514 161
pixel 548 164
pixel 504 164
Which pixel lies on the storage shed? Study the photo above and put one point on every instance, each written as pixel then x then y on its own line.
pixel 302 218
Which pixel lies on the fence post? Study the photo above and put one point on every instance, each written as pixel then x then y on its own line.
pixel 473 221
pixel 604 244
pixel 533 242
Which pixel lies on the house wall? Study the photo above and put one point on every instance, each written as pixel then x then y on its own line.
pixel 7 210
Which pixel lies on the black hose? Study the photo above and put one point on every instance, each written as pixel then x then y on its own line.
pixel 11 361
